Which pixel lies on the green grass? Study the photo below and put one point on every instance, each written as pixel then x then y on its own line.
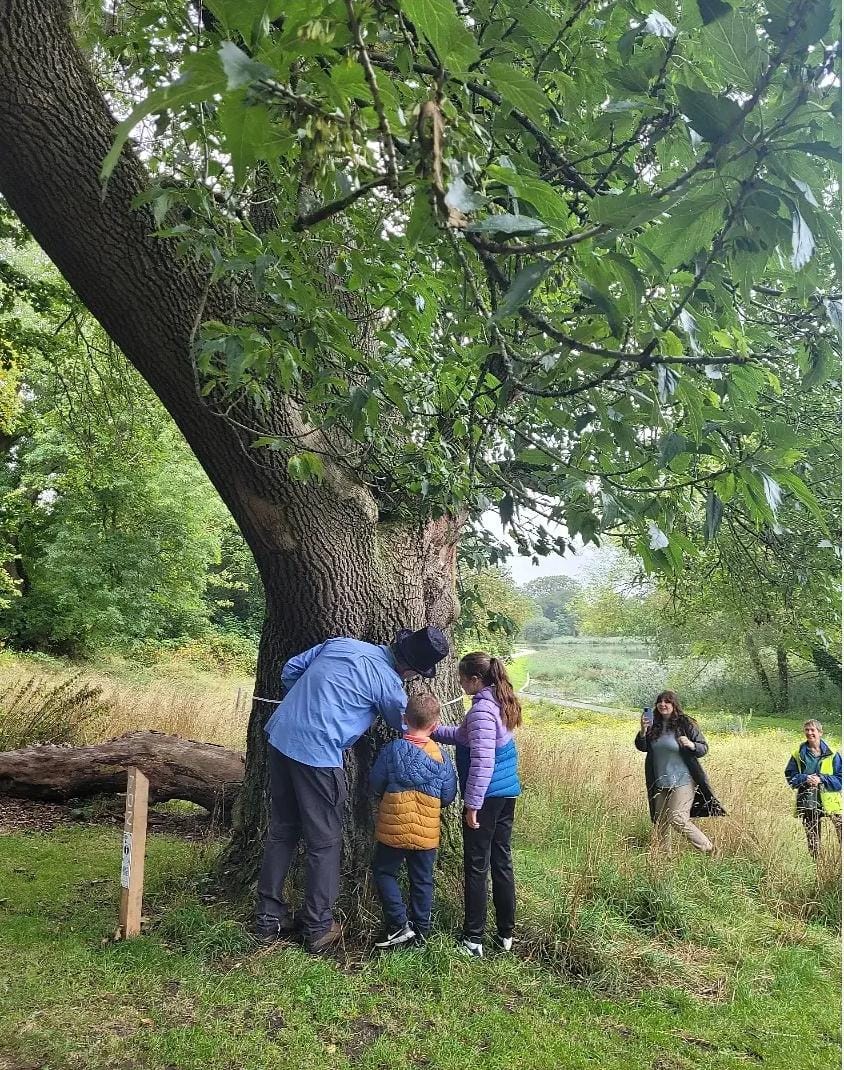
pixel 624 965
pixel 625 961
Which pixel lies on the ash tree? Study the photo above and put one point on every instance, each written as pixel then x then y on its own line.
pixel 388 264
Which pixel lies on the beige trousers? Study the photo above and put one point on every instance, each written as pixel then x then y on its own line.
pixel 672 807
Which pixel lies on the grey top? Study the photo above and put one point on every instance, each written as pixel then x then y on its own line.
pixel 670 770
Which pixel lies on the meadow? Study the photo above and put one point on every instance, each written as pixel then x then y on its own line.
pixel 625 959
pixel 627 674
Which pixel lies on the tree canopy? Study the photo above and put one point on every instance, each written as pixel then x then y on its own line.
pixel 545 255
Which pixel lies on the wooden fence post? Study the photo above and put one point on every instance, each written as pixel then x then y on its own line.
pixel 134 849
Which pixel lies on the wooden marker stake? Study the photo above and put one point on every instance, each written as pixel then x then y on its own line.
pixel 134 848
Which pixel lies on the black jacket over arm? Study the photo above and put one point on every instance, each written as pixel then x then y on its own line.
pixel 704 804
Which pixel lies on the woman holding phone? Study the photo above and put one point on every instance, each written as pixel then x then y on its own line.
pixel 676 783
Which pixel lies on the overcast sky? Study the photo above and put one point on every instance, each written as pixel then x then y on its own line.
pixel 587 560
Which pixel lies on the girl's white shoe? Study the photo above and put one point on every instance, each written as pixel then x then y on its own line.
pixel 470 948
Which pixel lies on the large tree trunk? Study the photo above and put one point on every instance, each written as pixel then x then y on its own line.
pixel 177 769
pixel 328 564
pixel 405 579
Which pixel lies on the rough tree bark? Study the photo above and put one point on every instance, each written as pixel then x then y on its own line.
pixel 177 769
pixel 328 563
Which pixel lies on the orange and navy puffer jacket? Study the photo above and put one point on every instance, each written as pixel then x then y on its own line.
pixel 415 780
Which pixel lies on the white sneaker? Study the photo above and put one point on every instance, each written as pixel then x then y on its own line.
pixel 399 938
pixel 470 948
pixel 504 943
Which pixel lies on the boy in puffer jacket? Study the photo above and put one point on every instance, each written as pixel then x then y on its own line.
pixel 415 779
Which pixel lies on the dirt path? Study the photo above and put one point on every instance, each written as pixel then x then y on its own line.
pixel 577 704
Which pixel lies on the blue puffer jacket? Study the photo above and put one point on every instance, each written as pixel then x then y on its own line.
pixel 504 783
pixel 486 752
pixel 415 780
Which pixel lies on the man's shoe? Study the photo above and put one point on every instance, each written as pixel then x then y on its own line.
pixel 267 929
pixel 470 948
pixel 502 943
pixel 400 938
pixel 327 940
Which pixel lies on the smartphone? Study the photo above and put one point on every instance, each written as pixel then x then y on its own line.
pixel 648 715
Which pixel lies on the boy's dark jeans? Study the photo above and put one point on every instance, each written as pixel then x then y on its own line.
pixel 306 804
pixel 420 871
pixel 487 849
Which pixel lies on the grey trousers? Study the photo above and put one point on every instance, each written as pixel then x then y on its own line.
pixel 306 804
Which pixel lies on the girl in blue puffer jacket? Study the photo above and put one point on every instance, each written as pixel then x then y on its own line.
pixel 487 767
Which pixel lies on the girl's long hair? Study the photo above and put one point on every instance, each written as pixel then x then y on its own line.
pixel 679 722
pixel 493 674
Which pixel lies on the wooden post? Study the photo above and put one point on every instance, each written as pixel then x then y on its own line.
pixel 134 848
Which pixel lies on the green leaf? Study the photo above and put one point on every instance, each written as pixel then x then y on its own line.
pixel 628 210
pixel 522 287
pixel 630 278
pixel 732 43
pixel 605 304
pixel 547 201
pixel 744 385
pixel 791 481
pixel 671 446
pixel 202 79
pixel 447 32
pixel 671 345
pixel 714 516
pixel 249 132
pixel 812 23
pixel 712 117
pixel 305 466
pixel 519 90
pixel 505 509
pixel 819 148
pixel 505 223
pixel 690 228
pixel 421 225
pixel 725 486
pixel 626 43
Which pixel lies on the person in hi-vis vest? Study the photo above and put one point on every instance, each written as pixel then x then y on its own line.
pixel 814 771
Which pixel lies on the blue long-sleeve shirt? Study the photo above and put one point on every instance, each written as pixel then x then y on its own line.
pixel 334 692
pixel 796 776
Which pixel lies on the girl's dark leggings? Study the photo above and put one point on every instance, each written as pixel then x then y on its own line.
pixel 487 850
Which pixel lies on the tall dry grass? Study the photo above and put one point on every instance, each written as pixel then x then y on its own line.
pixel 61 707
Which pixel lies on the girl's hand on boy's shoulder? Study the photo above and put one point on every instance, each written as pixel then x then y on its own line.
pixel 471 818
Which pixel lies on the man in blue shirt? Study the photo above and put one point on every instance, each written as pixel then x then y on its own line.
pixel 333 693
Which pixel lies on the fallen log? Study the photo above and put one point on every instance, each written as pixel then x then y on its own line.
pixel 202 773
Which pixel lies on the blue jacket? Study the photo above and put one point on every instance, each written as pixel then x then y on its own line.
pixel 486 752
pixel 504 782
pixel 797 779
pixel 334 692
pixel 414 782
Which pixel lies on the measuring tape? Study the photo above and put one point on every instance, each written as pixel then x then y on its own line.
pixel 275 701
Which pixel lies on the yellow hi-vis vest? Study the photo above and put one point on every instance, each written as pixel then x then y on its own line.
pixel 830 800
